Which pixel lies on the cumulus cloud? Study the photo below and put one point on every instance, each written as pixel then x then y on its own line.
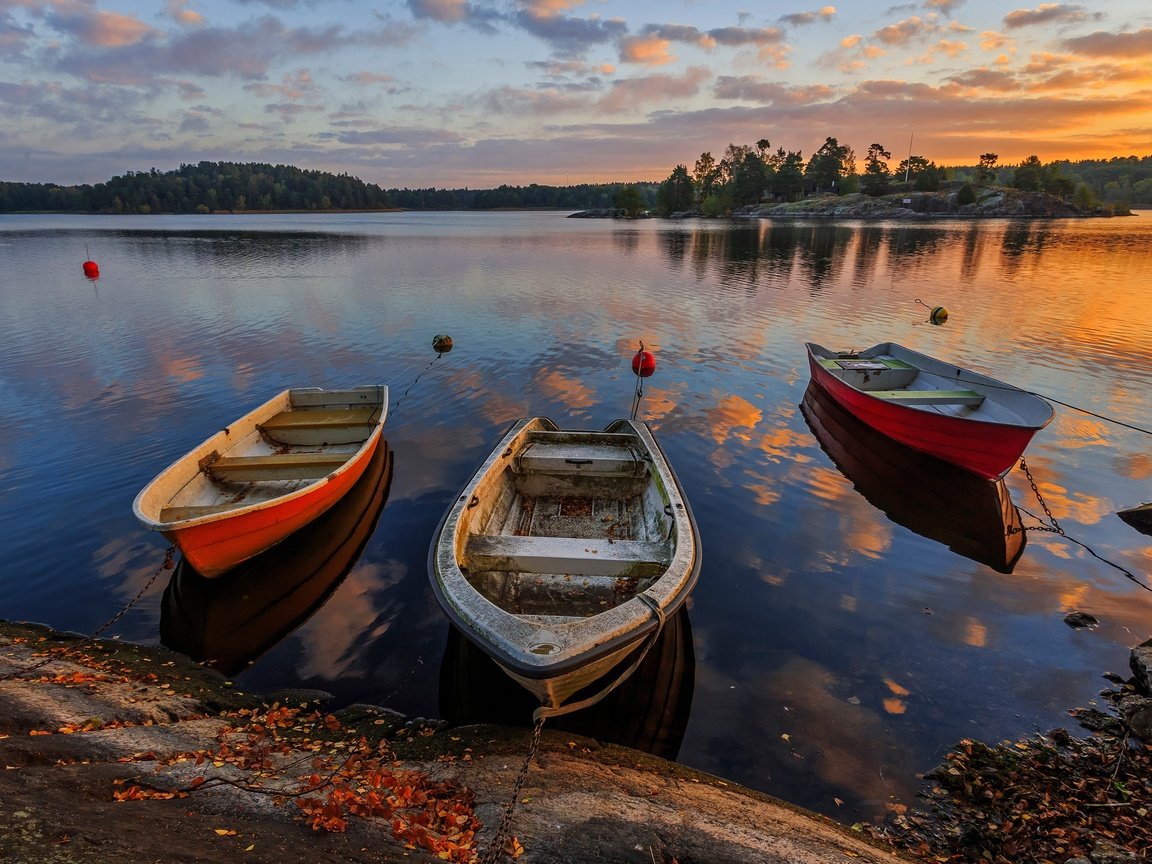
pixel 906 31
pixel 455 12
pixel 800 19
pixel 96 27
pixel 246 51
pixel 990 40
pixel 646 50
pixel 1045 13
pixel 945 7
pixel 521 102
pixel 983 79
pixel 640 94
pixel 177 11
pixel 738 36
pixel 752 88
pixel 1120 45
pixel 567 35
pixel 570 68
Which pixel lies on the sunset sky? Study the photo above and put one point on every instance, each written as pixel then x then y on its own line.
pixel 453 93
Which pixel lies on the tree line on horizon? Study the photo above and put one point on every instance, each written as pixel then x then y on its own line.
pixel 743 175
pixel 748 175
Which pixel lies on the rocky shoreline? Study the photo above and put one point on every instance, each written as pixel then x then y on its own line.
pixel 115 751
pixel 137 754
pixel 990 203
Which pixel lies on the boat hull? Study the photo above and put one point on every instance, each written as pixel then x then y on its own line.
pixel 986 447
pixel 972 515
pixel 219 521
pixel 556 599
pixel 231 621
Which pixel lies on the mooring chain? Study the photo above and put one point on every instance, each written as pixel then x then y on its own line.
pixel 496 847
pixel 1056 529
pixel 166 564
pixel 1055 526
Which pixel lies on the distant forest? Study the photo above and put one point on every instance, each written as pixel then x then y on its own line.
pixel 209 187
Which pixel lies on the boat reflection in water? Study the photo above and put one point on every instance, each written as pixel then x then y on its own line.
pixel 648 711
pixel 973 516
pixel 229 621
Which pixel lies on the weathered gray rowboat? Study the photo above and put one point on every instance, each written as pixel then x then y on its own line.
pixel 564 555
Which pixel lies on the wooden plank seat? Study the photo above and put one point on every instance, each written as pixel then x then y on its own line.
pixel 930 397
pixel 864 363
pixel 179 514
pixel 360 415
pixel 566 458
pixel 284 466
pixel 592 557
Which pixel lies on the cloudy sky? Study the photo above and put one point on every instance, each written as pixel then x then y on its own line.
pixel 453 93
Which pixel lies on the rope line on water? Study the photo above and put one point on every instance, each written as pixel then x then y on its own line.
pixel 1009 387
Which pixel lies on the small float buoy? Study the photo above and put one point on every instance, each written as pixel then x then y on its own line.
pixel 441 344
pixel 938 316
pixel 91 269
pixel 643 364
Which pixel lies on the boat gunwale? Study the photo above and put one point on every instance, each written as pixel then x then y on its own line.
pixel 540 668
pixel 983 384
pixel 254 417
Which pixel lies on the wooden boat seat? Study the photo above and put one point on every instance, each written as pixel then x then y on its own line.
pixel 285 466
pixel 361 415
pixel 179 514
pixel 864 363
pixel 565 458
pixel 930 397
pixel 592 557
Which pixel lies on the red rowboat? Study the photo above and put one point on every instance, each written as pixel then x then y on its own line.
pixel 265 476
pixel 954 414
pixel 971 515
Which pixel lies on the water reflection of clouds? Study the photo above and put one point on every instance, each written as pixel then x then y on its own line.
pixel 361 611
pixel 796 718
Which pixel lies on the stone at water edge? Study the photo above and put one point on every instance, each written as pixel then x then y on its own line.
pixel 1140 662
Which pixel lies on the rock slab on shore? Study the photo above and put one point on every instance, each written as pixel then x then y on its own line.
pixel 83 721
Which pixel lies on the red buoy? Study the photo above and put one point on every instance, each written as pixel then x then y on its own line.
pixel 91 269
pixel 643 364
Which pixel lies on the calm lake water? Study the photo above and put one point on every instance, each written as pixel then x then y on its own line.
pixel 830 651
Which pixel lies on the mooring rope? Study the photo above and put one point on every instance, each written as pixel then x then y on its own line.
pixel 1008 387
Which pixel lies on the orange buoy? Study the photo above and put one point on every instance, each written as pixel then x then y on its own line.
pixel 643 364
pixel 91 269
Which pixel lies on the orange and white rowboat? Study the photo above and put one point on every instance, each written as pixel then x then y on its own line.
pixel 265 476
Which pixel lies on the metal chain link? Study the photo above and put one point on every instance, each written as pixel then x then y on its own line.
pixel 1055 526
pixel 166 564
pixel 496 847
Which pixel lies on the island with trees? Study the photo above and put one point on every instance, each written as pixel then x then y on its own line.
pixel 754 180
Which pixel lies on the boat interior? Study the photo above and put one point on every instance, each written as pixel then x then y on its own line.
pixel 304 442
pixel 896 381
pixel 574 524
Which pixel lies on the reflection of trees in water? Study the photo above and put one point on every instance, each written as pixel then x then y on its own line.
pixel 247 246
pixel 1025 237
pixel 864 266
pixel 626 241
pixel 763 252
pixel 820 250
pixel 913 242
